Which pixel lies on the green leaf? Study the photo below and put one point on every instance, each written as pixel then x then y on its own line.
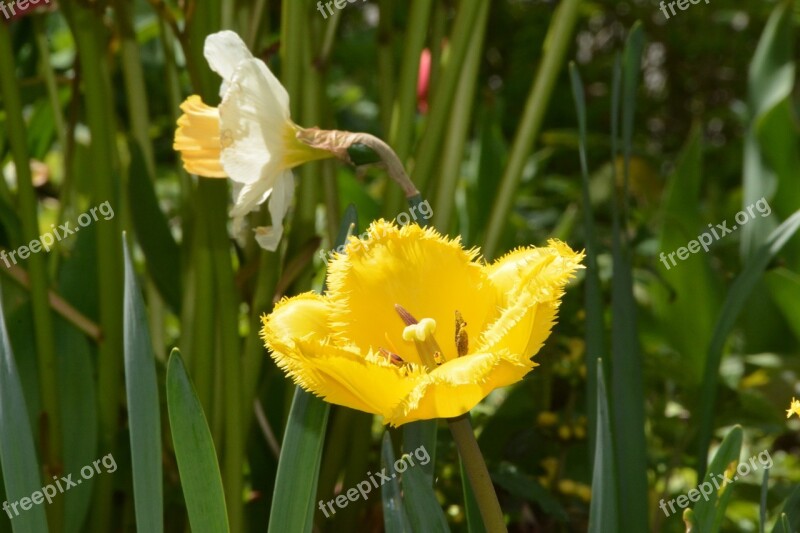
pixel 144 417
pixel 595 336
pixel 603 513
pixel 17 447
pixel 789 521
pixel 762 511
pixel 294 502
pixel 784 287
pixel 422 507
pixel 710 510
pixel 527 488
pixel 734 302
pixel 627 398
pixel 194 452
pixel 152 231
pixel 78 398
pixel 688 307
pixel 298 467
pixel 395 519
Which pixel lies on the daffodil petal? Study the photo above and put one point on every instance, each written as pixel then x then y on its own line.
pixel 457 386
pixel 279 203
pixel 253 124
pixel 429 275
pixel 224 51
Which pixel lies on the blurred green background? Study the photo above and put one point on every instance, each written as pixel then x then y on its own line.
pixel 90 96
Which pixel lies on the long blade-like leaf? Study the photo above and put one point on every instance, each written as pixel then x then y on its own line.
pixel 734 302
pixel 603 513
pixel 144 418
pixel 194 452
pixel 17 449
pixel 296 488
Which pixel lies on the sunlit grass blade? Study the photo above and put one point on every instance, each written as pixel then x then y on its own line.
pixel 144 417
pixel 558 38
pixel 194 452
pixel 604 509
pixel 395 519
pixel 595 338
pixel 17 447
pixel 734 302
pixel 627 398
pixel 710 510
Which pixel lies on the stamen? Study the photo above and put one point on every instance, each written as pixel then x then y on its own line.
pixel 392 357
pixel 405 315
pixel 462 339
pixel 438 358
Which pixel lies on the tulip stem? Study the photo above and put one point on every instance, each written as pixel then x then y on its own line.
pixel 478 474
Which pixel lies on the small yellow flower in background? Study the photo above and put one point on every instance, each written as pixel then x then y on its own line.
pixel 352 348
pixel 794 408
pixel 249 138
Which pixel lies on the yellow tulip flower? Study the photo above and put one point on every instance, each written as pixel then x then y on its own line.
pixel 353 347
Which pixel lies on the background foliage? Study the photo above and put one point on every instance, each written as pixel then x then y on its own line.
pixel 90 95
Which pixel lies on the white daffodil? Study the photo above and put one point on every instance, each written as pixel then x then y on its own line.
pixel 249 138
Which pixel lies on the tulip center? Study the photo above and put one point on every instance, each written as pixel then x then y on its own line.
pixel 421 333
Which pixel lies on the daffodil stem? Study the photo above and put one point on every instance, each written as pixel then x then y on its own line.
pixel 393 165
pixel 478 474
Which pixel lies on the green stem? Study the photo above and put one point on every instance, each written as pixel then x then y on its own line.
pixel 459 127
pixel 556 41
pixel 405 108
pixel 50 436
pixel 441 103
pixel 90 38
pixel 478 474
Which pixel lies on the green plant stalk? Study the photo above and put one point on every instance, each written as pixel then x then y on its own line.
pixel 558 39
pixel 405 108
pixel 135 89
pixel 478 474
pixel 50 437
pixel 458 129
pixel 88 33
pixel 441 103
pixel 210 192
pixel 43 47
pixel 386 67
pixel 254 351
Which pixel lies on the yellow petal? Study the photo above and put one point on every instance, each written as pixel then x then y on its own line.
pixel 529 283
pixel 417 268
pixel 198 138
pixel 457 386
pixel 297 334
